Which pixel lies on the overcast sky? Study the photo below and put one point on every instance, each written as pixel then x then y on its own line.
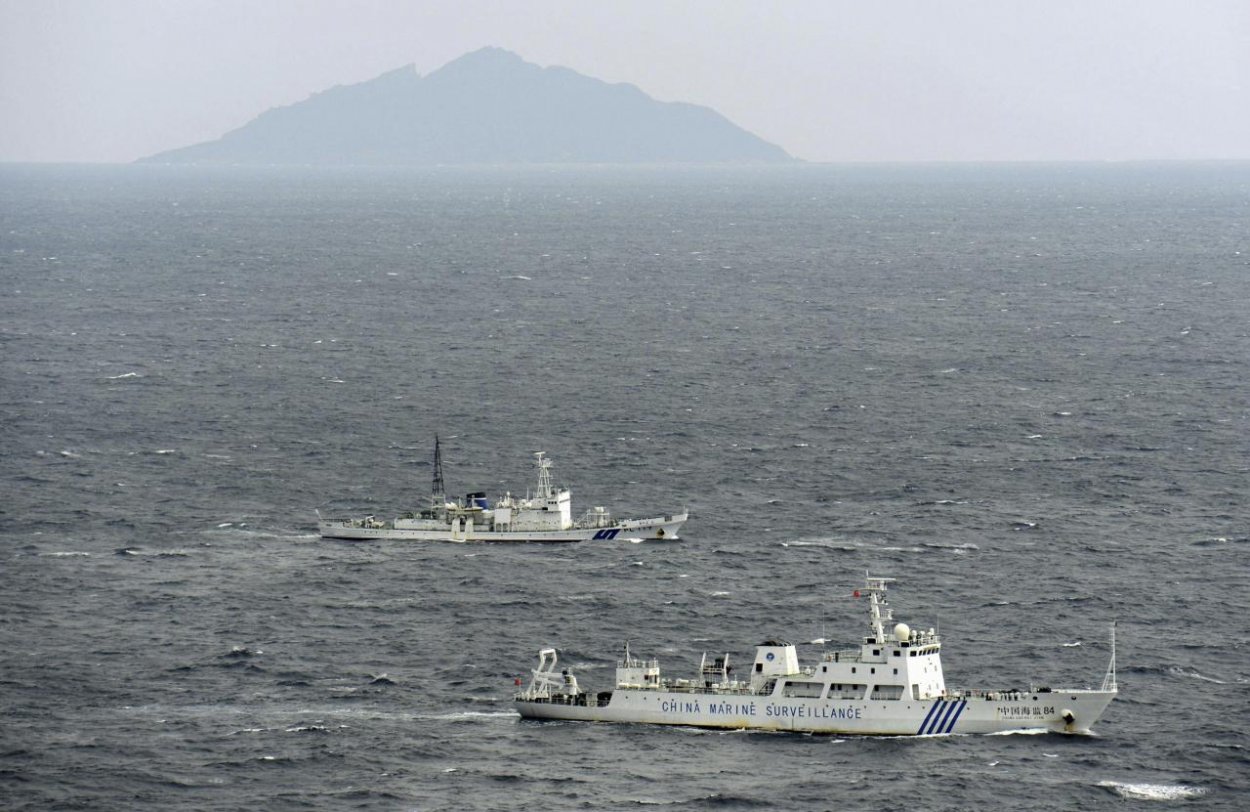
pixel 828 80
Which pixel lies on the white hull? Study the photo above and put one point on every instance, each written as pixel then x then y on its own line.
pixel 941 716
pixel 544 517
pixel 661 528
pixel 891 684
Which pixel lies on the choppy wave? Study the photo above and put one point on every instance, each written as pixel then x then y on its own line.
pixel 141 553
pixel 1193 673
pixel 1152 792
pixel 827 545
pixel 468 716
pixel 713 800
pixel 955 547
pixel 1220 541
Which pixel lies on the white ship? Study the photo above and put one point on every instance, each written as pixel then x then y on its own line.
pixel 890 684
pixel 545 516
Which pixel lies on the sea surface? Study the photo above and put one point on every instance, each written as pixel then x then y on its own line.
pixel 1020 390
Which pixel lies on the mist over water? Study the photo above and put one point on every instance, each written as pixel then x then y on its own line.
pixel 1019 390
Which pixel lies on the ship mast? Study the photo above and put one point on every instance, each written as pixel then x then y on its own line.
pixel 544 475
pixel 1109 681
pixel 879 612
pixel 438 497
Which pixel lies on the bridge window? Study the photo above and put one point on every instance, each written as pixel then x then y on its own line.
pixel 846 691
pixel 809 690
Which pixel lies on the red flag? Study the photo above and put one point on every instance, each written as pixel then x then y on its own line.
pixel 856 593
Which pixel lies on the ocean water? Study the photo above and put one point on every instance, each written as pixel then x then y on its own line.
pixel 1019 390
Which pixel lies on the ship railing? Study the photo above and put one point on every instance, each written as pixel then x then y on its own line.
pixel 596 517
pixel 1009 694
pixel 573 700
pixel 634 662
pixel 687 686
pixel 851 655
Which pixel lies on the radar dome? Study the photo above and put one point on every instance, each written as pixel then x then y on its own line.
pixel 902 632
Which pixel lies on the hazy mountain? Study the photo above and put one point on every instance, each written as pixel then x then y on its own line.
pixel 487 107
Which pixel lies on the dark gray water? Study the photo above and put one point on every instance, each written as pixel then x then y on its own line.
pixel 1019 390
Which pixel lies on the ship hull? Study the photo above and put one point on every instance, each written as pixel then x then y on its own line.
pixel 980 713
pixel 664 528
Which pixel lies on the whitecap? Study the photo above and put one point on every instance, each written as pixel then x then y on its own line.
pixel 1072 645
pixel 959 548
pixel 471 715
pixel 1152 792
pixel 124 375
pixel 137 551
pixel 828 545
pixel 1195 675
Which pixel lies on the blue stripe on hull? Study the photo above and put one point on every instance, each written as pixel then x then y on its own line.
pixel 955 718
pixel 940 727
pixel 932 711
